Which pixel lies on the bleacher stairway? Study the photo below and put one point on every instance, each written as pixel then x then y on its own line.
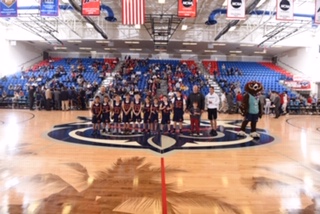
pixel 210 78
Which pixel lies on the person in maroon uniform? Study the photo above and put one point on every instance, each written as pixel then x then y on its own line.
pixel 137 108
pixel 96 111
pixel 165 108
pixel 179 106
pixel 146 115
pixel 126 113
pixel 117 109
pixel 154 119
pixel 106 109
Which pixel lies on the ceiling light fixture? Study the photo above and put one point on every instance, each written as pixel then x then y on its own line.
pixel 109 49
pixel 185 50
pixel 160 43
pixel 210 51
pixel 131 42
pixel 137 27
pixel 102 41
pixel 219 44
pixel 89 25
pixel 184 27
pixel 135 49
pixel 160 49
pixel 85 48
pixel 235 51
pixel 260 52
pixel 74 41
pixel 246 45
pixel 189 43
pixel 161 1
pixel 59 48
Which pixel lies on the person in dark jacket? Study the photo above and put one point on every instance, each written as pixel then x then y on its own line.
pixel 196 96
pixel 31 97
pixel 277 104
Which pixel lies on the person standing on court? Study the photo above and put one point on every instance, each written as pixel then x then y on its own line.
pixel 212 102
pixel 31 97
pixel 196 96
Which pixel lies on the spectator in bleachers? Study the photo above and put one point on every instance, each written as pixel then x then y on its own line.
pixel 4 78
pixel 15 99
pixel 223 67
pixel 4 95
pixel 309 100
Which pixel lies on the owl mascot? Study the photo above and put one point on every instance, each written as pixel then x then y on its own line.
pixel 250 108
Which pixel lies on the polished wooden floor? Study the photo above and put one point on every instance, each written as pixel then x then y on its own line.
pixel 48 168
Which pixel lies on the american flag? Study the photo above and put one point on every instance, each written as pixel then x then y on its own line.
pixel 133 12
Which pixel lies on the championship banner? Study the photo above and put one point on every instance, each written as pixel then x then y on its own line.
pixel 236 9
pixel 317 13
pixel 284 10
pixel 8 8
pixel 90 7
pixel 187 8
pixel 49 8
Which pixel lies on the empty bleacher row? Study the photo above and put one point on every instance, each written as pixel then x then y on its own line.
pixel 243 72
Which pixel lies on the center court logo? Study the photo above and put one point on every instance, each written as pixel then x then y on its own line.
pixel 80 133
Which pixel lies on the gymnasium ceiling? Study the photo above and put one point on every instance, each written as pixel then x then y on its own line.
pixel 253 36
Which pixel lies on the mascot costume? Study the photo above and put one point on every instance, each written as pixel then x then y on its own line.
pixel 250 108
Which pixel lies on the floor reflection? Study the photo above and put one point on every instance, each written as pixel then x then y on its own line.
pixel 128 186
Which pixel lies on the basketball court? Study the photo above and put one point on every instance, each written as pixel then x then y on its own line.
pixel 50 164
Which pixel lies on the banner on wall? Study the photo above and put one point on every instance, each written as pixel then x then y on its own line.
pixel 90 7
pixel 317 13
pixel 187 8
pixel 8 8
pixel 284 10
pixel 49 8
pixel 298 84
pixel 236 9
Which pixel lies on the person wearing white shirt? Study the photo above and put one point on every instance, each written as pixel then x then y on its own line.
pixel 212 102
pixel 285 102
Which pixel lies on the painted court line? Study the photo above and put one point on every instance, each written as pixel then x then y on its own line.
pixel 164 188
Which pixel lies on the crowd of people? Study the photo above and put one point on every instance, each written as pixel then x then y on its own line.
pixel 130 114
pixel 41 91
